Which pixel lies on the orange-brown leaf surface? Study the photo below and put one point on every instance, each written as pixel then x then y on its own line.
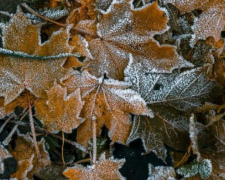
pixel 123 31
pixel 210 23
pixel 35 75
pixel 102 170
pixel 27 161
pixel 107 101
pixel 60 112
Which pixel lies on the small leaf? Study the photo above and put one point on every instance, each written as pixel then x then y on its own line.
pixel 102 170
pixel 27 161
pixel 60 112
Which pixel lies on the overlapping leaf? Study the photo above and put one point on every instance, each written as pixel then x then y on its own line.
pixel 210 23
pixel 123 30
pixel 18 74
pixel 27 161
pixel 108 102
pixel 102 170
pixel 169 96
pixel 211 143
pixel 60 112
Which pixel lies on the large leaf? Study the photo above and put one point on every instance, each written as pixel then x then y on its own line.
pixel 123 30
pixel 60 112
pixel 169 96
pixel 108 102
pixel 35 75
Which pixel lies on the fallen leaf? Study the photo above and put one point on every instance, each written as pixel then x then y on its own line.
pixel 123 31
pixel 27 161
pixel 102 170
pixel 18 74
pixel 108 102
pixel 60 112
pixel 210 23
pixel 170 96
pixel 189 5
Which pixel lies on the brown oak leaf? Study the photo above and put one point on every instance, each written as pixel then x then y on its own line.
pixel 60 112
pixel 27 161
pixel 102 170
pixel 107 101
pixel 35 75
pixel 123 31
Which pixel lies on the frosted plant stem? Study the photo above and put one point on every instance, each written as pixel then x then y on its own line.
pixel 9 137
pixel 3 126
pixel 33 130
pixel 45 18
pixel 94 140
pixel 63 160
pixel 6 13
pixel 50 20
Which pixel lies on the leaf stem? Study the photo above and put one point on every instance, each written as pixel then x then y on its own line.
pixel 63 160
pixel 5 123
pixel 33 130
pixel 52 21
pixel 94 139
pixel 78 146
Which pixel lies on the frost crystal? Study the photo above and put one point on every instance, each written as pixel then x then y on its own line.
pixel 161 173
pixel 204 169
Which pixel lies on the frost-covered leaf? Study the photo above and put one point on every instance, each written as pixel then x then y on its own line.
pixel 85 11
pixel 189 5
pixel 210 23
pixel 204 169
pixel 107 101
pixel 123 30
pixel 168 126
pixel 102 170
pixel 27 161
pixel 182 91
pixel 169 96
pixel 60 112
pixel 161 173
pixel 211 139
pixel 35 75
pixel 3 155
